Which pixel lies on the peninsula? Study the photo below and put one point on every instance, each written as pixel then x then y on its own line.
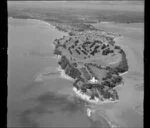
pixel 94 62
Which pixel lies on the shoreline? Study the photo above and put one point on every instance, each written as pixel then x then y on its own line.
pixel 87 98
pixel 63 75
pixel 102 22
pixel 122 74
pixel 83 96
pixel 41 21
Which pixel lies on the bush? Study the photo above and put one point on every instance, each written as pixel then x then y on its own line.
pixel 57 52
pixel 74 73
pixel 105 52
pixel 63 62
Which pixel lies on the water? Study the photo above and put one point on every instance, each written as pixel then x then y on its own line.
pixel 37 95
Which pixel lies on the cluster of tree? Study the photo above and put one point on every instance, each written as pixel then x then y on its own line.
pixel 80 27
pixel 88 85
pixel 61 29
pixel 57 45
pixel 111 80
pixel 111 71
pixel 117 47
pixel 72 72
pixel 72 33
pixel 63 62
pixel 106 93
pixel 104 46
pixel 79 83
pixel 57 52
pixel 123 65
pixel 110 93
pixel 95 51
pixel 57 41
pixel 107 51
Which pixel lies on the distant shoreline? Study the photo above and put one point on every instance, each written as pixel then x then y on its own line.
pixel 38 20
pixel 49 22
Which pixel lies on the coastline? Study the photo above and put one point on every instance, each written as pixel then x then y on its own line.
pixel 83 96
pixel 40 21
pixel 63 75
pixel 95 101
pixel 122 74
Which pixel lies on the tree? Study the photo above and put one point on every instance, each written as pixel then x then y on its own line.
pixel 57 52
pixel 63 62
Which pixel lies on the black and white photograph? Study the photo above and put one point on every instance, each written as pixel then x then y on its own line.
pixel 75 64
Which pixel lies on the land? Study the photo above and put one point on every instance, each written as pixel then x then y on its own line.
pixel 130 100
pixel 124 18
pixel 77 17
pixel 89 51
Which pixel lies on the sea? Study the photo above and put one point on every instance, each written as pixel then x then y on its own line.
pixel 38 94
